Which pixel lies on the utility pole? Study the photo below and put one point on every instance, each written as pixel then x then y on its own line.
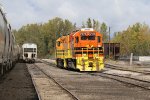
pixel 109 42
pixel 131 59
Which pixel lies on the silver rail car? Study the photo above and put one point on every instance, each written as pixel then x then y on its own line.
pixel 29 52
pixel 7 45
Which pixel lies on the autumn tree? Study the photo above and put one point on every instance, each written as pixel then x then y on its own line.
pixel 136 39
pixel 103 30
pixel 44 35
pixel 89 23
pixel 96 25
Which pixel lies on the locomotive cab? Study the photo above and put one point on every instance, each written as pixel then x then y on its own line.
pixel 87 39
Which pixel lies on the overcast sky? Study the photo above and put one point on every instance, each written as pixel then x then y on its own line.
pixel 118 14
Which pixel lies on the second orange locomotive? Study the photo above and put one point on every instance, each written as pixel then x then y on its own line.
pixel 81 50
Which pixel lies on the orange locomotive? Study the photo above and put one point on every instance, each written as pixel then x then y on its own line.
pixel 81 50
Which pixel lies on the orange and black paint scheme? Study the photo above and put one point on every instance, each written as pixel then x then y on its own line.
pixel 81 50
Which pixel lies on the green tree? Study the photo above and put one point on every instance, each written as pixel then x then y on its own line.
pixel 103 30
pixel 136 39
pixel 44 35
pixel 89 23
pixel 83 25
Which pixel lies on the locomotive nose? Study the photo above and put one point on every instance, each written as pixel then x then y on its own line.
pixel 89 45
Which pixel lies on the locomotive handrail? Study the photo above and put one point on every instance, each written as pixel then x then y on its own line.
pixel 93 51
pixel 98 51
pixel 88 50
pixel 82 52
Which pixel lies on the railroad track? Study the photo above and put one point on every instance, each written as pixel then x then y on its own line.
pixel 145 84
pixel 123 79
pixel 125 69
pixel 48 63
pixel 126 80
pixel 63 88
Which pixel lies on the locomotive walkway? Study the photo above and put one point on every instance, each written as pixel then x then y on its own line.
pixel 84 86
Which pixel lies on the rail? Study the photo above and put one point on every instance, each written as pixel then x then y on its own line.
pixel 126 80
pixel 125 69
pixel 51 77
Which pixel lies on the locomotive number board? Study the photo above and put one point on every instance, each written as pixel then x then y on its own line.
pixel 87 34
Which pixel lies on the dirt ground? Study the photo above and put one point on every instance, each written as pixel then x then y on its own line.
pixel 17 85
pixel 89 87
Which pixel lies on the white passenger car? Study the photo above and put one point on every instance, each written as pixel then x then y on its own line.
pixel 29 52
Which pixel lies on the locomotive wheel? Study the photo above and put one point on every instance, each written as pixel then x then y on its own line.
pixel 57 63
pixel 6 67
pixel 33 61
pixel 1 69
pixel 62 64
pixel 11 65
pixel 71 64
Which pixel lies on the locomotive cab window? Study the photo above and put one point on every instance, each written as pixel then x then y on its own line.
pixel 98 39
pixel 29 49
pixel 58 43
pixel 83 36
pixel 91 38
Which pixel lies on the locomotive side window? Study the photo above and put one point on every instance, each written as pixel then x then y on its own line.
pixel 98 39
pixel 58 43
pixel 77 40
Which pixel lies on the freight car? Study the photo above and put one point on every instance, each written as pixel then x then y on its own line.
pixel 81 50
pixel 29 52
pixel 7 45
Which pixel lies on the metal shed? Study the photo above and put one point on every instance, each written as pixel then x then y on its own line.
pixel 111 50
